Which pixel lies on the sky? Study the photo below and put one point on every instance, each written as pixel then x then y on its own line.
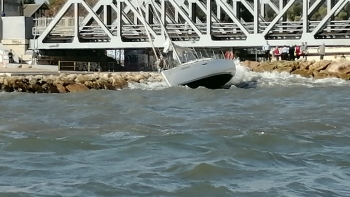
pixel 39 1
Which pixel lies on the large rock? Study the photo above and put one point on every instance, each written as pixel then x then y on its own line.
pixel 343 76
pixel 287 64
pixel 320 75
pixel 321 65
pixel 303 73
pixel 266 67
pixel 61 88
pixel 76 88
pixel 339 67
pixel 285 69
pixel 305 64
pixel 252 65
pixel 82 78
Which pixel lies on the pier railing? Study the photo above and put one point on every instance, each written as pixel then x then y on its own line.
pixel 104 66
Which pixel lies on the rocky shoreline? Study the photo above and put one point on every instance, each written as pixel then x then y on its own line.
pixel 311 69
pixel 64 83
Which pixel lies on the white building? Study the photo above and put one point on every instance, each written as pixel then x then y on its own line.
pixel 15 30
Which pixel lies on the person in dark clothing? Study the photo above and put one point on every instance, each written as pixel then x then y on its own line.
pixel 10 54
pixel 291 53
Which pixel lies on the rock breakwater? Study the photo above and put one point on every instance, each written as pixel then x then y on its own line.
pixel 316 69
pixel 64 83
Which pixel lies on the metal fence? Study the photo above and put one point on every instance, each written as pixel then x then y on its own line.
pixel 104 66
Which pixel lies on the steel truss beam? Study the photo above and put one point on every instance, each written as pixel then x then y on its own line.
pixel 210 32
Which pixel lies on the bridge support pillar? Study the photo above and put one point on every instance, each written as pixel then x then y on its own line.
pixel 330 4
pixel 262 8
pixel 107 15
pixel 163 17
pixel 193 11
pixel 149 14
pixel 209 22
pixel 237 5
pixel 256 16
pixel 282 4
pixel 76 23
pixel 305 15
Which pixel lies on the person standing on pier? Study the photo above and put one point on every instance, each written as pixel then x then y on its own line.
pixel 277 53
pixel 285 53
pixel 291 53
pixel 10 55
pixel 267 48
pixel 297 52
pixel 322 51
pixel 304 50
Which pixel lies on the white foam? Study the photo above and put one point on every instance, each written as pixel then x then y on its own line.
pixel 247 78
pixel 148 86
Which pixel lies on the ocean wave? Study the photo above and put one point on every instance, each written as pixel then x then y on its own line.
pixel 249 79
pixel 37 144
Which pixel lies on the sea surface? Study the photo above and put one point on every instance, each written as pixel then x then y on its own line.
pixel 269 135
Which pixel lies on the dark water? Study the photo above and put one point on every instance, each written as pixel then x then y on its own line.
pixel 276 135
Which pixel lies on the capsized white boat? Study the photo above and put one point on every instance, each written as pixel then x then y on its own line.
pixel 205 72
pixel 208 72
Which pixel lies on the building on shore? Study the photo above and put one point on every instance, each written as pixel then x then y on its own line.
pixel 35 10
pixel 15 30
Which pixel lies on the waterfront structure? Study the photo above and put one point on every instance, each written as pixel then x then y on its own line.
pixel 183 23
pixel 15 30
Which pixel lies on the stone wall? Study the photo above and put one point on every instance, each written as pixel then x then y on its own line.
pixel 65 83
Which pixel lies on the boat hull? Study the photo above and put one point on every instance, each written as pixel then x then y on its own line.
pixel 209 73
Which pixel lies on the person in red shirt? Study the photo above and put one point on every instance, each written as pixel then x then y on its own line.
pixel 276 53
pixel 297 52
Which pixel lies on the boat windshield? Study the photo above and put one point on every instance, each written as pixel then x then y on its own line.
pixel 186 55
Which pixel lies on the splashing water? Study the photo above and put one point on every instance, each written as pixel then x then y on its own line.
pixel 248 79
pixel 244 78
pixel 148 86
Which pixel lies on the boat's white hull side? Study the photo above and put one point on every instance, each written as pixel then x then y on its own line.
pixel 197 70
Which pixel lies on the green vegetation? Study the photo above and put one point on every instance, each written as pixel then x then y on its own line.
pixel 295 13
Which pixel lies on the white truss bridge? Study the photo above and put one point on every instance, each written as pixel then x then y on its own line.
pixel 119 24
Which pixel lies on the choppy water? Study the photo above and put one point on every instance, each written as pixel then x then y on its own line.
pixel 269 135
